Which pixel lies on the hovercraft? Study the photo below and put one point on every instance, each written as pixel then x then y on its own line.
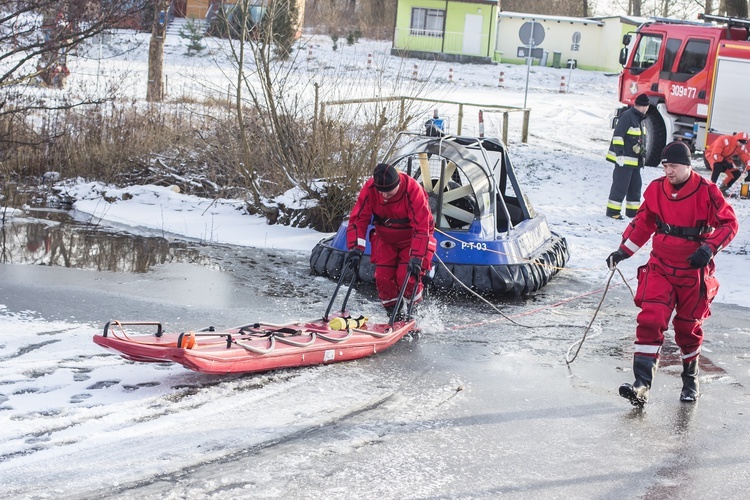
pixel 490 239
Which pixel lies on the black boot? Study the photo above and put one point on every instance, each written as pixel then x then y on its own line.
pixel 690 381
pixel 399 315
pixel 644 369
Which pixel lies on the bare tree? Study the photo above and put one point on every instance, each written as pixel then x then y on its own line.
pixel 36 38
pixel 36 34
pixel 375 18
pixel 678 9
pixel 575 8
pixel 736 8
pixel 155 86
pixel 636 6
pixel 286 142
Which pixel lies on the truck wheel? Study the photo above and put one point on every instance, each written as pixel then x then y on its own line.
pixel 656 138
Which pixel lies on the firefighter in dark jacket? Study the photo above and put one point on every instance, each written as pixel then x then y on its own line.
pixel 690 222
pixel 625 151
pixel 402 244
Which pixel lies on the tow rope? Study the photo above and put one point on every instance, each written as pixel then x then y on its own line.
pixel 579 343
pixel 476 294
pixel 568 359
pixel 505 316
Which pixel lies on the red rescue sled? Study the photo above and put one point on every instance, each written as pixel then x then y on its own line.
pixel 251 348
pixel 259 347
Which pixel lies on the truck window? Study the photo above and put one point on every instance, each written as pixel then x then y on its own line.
pixel 694 56
pixel 670 53
pixel 647 52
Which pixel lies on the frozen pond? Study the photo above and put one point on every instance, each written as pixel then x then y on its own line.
pixel 475 406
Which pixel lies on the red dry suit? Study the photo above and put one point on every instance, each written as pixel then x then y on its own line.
pixel 403 229
pixel 680 222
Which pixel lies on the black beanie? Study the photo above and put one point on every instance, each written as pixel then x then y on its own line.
pixel 385 177
pixel 642 100
pixel 676 152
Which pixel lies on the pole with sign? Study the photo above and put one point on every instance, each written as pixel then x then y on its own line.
pixel 531 35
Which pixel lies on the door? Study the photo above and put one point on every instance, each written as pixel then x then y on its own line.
pixel 473 34
pixel 180 8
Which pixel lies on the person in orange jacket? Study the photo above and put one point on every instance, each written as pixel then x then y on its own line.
pixel 719 158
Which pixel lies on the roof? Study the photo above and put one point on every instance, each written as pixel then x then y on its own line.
pixel 484 2
pixel 632 20
pixel 542 17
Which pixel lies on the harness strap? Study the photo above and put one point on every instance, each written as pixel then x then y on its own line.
pixel 389 222
pixel 690 233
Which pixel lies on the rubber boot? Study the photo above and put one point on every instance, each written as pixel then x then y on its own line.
pixel 644 369
pixel 690 382
pixel 399 315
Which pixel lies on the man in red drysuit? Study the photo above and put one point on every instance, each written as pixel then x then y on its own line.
pixel 690 222
pixel 402 243
pixel 719 158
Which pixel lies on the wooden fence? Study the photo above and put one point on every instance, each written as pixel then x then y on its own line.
pixel 462 108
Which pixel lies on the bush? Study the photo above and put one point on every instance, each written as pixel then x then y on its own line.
pixel 193 33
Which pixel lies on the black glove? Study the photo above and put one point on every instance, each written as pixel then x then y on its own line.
pixel 615 258
pixel 414 266
pixel 701 257
pixel 353 258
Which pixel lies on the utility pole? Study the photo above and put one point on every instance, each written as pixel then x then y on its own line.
pixel 155 87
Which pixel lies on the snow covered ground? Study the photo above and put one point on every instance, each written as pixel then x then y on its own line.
pixel 47 414
pixel 561 168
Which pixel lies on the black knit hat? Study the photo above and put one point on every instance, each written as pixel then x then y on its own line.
pixel 385 177
pixel 642 100
pixel 676 152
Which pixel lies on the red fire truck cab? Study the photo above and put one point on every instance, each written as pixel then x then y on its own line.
pixel 696 75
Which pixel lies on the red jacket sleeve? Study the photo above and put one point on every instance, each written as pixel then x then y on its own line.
pixel 642 226
pixel 723 220
pixel 745 157
pixel 360 218
pixel 716 151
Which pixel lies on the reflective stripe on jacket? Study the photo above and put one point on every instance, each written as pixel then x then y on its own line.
pixel 628 132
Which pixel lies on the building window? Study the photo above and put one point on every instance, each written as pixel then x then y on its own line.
pixel 427 22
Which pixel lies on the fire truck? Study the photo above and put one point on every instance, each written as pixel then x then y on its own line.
pixel 697 77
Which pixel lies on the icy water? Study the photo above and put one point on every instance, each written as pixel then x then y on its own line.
pixel 475 406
